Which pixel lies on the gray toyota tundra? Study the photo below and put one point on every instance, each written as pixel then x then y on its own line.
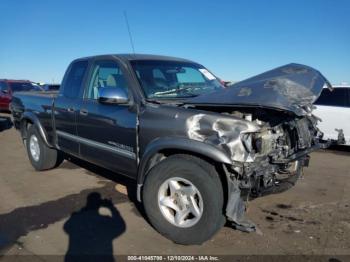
pixel 196 148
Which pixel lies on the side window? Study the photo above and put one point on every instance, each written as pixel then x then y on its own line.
pixel 337 97
pixel 74 79
pixel 105 74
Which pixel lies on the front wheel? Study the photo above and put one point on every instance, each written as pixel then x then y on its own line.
pixel 40 155
pixel 183 199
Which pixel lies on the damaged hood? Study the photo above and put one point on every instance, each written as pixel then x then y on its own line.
pixel 293 87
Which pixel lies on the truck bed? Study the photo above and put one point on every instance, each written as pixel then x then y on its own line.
pixel 51 94
pixel 39 103
pixel 33 100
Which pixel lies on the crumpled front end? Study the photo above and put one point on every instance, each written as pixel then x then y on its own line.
pixel 268 150
pixel 250 137
pixel 229 134
pixel 265 127
pixel 292 87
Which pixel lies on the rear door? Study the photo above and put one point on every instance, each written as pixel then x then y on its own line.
pixel 333 107
pixel 66 107
pixel 107 132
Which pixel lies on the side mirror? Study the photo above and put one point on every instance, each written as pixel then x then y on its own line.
pixel 112 95
pixel 5 91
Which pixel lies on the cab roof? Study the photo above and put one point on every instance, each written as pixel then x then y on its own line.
pixel 132 57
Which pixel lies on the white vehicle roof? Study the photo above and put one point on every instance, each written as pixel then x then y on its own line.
pixel 341 86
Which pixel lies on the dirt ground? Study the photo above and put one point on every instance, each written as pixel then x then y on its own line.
pixel 46 213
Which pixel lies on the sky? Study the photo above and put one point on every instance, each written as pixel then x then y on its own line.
pixel 234 39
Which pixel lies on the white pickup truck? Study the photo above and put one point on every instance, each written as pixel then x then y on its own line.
pixel 333 107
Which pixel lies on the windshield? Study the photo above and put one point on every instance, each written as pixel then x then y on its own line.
pixel 23 86
pixel 171 79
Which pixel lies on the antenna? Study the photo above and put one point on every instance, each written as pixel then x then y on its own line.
pixel 127 25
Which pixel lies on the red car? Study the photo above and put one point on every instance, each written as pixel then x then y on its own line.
pixel 8 87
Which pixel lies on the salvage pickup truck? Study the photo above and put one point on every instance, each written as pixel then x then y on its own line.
pixel 197 149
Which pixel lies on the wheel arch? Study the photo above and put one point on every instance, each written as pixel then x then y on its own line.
pixel 156 149
pixel 31 118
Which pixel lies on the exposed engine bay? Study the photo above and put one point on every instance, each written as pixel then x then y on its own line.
pixel 268 149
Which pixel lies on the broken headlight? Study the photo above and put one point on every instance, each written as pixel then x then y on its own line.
pixel 261 143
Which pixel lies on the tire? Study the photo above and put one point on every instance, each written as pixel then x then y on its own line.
pixel 47 158
pixel 204 177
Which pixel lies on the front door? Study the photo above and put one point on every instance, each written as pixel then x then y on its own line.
pixel 107 132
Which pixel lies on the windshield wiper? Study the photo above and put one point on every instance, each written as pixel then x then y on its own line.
pixel 176 90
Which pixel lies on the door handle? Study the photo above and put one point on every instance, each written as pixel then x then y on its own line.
pixel 84 112
pixel 70 110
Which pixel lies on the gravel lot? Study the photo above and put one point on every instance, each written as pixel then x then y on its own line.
pixel 42 213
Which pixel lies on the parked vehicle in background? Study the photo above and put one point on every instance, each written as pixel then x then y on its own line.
pixel 37 86
pixel 8 87
pixel 333 107
pixel 195 148
pixel 51 87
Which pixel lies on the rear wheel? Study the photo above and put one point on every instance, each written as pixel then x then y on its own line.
pixel 183 199
pixel 40 155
